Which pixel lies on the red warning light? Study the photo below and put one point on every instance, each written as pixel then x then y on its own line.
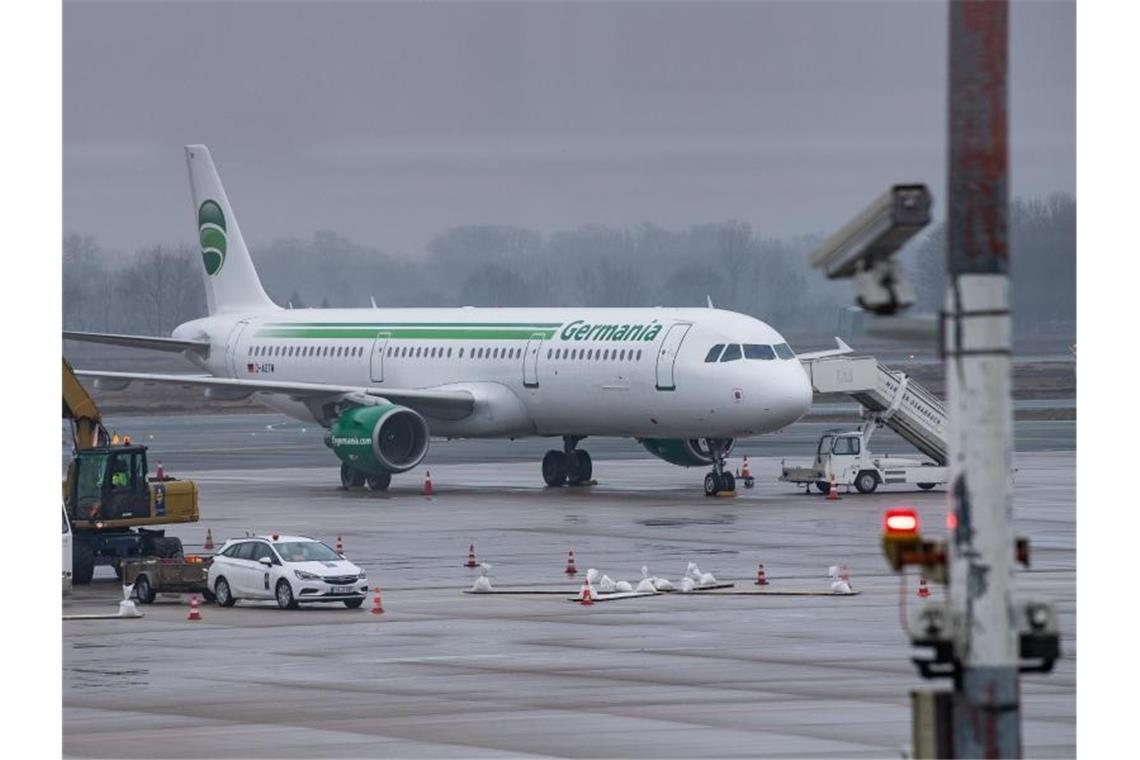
pixel 952 520
pixel 900 522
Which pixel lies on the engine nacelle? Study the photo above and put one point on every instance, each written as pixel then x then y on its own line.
pixel 685 452
pixel 385 438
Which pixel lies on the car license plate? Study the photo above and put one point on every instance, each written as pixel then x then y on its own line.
pixel 342 589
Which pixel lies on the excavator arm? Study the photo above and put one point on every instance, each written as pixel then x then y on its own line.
pixel 86 423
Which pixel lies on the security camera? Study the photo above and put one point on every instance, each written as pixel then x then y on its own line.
pixel 865 247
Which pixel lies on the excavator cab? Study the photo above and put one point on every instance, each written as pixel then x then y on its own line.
pixel 110 483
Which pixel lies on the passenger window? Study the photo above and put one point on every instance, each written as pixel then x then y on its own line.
pixel 714 353
pixel 754 351
pixel 639 354
pixel 731 352
pixel 244 550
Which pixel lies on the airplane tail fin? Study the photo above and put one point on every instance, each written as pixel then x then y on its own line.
pixel 231 281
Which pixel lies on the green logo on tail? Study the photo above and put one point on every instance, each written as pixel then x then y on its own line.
pixel 212 234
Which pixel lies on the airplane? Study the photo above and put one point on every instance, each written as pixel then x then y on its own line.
pixel 684 382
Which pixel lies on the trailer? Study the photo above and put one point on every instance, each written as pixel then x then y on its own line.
pixel 845 457
pixel 181 575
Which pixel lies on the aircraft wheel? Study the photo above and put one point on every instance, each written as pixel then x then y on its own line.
pixel 379 482
pixel 585 466
pixel 712 484
pixel 350 477
pixel 554 468
pixel 727 482
pixel 926 486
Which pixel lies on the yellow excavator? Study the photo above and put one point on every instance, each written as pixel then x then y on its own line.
pixel 110 495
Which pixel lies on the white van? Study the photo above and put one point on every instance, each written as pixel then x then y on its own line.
pixel 66 552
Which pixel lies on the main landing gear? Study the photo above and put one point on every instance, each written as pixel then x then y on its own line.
pixel 350 477
pixel 571 466
pixel 719 480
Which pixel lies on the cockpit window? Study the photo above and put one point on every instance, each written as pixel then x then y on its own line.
pixel 755 351
pixel 714 353
pixel 731 352
pixel 784 351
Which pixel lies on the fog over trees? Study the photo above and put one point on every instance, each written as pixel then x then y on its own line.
pixel 160 286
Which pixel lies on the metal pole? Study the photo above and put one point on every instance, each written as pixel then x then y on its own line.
pixel 987 719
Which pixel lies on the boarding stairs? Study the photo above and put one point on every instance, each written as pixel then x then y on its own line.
pixel 889 396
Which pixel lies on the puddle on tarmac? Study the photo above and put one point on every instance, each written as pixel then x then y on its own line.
pixel 682 522
pixel 110 677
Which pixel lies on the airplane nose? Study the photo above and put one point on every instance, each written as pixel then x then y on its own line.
pixel 794 397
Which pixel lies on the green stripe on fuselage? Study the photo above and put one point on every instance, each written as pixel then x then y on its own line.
pixel 417 333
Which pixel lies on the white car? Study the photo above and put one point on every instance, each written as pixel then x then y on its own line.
pixel 290 569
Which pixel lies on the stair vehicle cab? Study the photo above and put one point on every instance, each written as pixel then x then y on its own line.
pixel 844 455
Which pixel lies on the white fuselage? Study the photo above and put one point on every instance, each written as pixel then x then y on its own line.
pixel 565 371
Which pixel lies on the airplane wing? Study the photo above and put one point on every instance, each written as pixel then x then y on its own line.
pixel 441 404
pixel 140 341
pixel 842 349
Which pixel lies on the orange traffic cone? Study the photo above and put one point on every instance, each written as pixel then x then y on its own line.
pixel 845 575
pixel 586 595
pixel 761 578
pixel 923 590
pixel 744 471
pixel 377 609
pixel 209 545
pixel 160 472
pixel 339 545
pixel 194 613
pixel 570 569
pixel 833 494
pixel 427 483
pixel 471 557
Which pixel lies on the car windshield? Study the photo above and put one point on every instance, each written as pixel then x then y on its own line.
pixel 305 551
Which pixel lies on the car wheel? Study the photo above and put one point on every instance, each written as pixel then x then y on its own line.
pixel 222 593
pixel 866 482
pixel 926 486
pixel 352 604
pixel 284 594
pixel 143 589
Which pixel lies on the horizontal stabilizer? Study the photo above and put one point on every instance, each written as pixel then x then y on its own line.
pixel 147 342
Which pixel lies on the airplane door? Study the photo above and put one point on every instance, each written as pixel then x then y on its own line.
pixel 667 356
pixel 530 360
pixel 379 346
pixel 232 347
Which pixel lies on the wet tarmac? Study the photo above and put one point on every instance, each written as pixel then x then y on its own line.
pixel 447 674
pixel 266 441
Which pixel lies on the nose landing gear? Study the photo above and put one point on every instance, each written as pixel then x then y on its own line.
pixel 719 480
pixel 571 466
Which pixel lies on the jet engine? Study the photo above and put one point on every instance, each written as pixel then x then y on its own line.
pixel 685 452
pixel 384 438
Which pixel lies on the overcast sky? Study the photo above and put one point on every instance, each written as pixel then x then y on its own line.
pixel 390 123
